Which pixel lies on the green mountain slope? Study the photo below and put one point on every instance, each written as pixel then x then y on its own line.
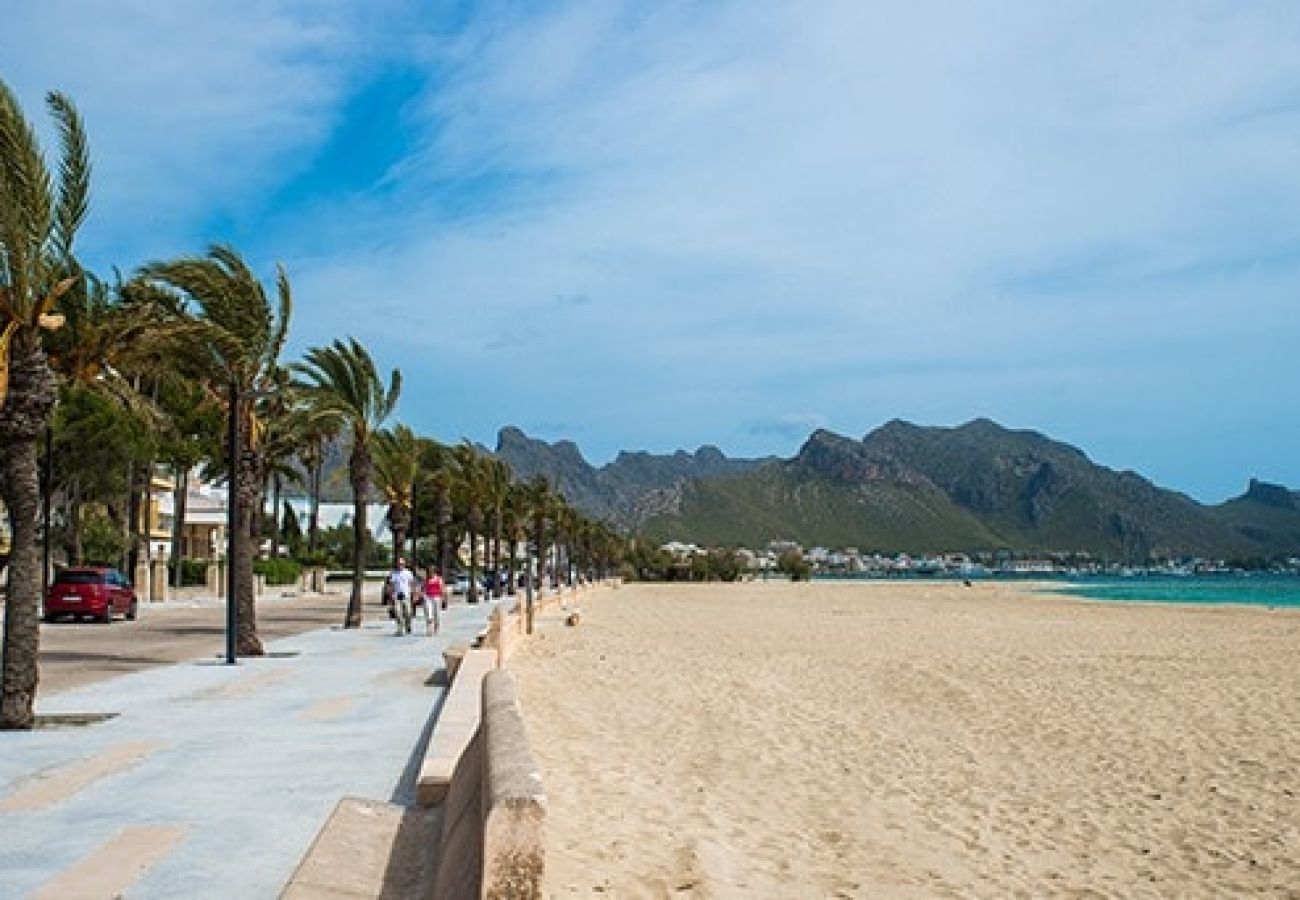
pixel 1267 514
pixel 975 487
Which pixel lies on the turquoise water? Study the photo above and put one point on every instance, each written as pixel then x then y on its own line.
pixel 1251 590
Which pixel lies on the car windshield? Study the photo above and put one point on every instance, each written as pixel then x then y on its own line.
pixel 79 578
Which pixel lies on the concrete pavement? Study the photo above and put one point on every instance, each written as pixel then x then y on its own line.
pixel 212 780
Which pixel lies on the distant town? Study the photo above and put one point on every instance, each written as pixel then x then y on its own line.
pixel 780 556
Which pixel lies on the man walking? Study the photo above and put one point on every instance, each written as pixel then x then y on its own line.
pixel 400 583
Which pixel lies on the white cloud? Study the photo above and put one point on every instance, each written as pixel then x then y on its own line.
pixel 195 109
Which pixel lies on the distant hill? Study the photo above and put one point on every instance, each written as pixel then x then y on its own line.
pixel 1267 514
pixel 625 492
pixel 978 486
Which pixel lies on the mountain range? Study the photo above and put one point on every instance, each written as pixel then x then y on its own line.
pixel 909 488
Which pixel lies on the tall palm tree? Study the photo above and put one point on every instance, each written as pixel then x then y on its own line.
pixel 538 502
pixel 496 481
pixel 471 491
pixel 342 383
pixel 397 466
pixel 317 435
pixel 289 424
pixel 437 462
pixel 39 218
pixel 236 349
pixel 515 520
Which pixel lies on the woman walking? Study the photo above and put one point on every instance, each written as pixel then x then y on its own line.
pixel 434 600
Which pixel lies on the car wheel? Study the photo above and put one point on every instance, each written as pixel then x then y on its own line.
pixel 106 617
pixel 50 617
pixel 130 613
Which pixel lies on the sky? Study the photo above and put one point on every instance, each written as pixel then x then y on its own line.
pixel 651 226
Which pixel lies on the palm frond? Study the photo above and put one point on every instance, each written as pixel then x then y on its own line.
pixel 26 209
pixel 74 173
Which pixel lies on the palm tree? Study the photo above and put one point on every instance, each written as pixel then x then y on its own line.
pixel 397 466
pixel 437 461
pixel 316 436
pixel 496 480
pixel 237 345
pixel 342 383
pixel 538 503
pixel 38 221
pixel 471 490
pixel 289 425
pixel 515 518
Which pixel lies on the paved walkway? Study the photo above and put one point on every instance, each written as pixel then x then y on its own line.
pixel 212 780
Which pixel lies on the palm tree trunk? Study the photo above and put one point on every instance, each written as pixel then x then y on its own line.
pixel 359 471
pixel 514 543
pixel 313 526
pixel 399 544
pixel 475 521
pixel 442 518
pixel 23 419
pixel 247 642
pixel 496 554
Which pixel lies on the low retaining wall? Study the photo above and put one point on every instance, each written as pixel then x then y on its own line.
pixel 492 827
pixel 458 722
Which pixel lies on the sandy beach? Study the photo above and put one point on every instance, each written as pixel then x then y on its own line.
pixel 914 740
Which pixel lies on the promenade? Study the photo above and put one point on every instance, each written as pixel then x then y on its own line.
pixel 212 780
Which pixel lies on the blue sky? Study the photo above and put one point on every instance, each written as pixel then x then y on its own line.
pixel 652 226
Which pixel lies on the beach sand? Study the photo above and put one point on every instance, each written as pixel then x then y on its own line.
pixel 914 740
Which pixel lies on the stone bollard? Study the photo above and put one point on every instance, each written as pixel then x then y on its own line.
pixel 158 581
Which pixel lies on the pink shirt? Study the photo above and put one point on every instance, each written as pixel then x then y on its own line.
pixel 433 587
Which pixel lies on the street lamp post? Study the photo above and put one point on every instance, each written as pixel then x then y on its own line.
pixel 232 524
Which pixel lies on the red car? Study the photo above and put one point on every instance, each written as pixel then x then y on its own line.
pixel 92 591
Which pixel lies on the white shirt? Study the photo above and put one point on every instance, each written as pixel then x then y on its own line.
pixel 401 581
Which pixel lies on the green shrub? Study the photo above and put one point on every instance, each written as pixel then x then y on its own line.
pixel 194 572
pixel 278 571
pixel 793 564
pixel 102 542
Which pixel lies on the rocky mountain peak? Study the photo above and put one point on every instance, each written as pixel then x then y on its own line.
pixel 1272 495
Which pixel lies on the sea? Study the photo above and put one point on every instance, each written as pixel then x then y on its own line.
pixel 1236 588
pixel 1246 589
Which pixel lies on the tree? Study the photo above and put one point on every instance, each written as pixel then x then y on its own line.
pixel 515 521
pixel 320 431
pixel 496 483
pixel 470 491
pixel 39 218
pixel 96 442
pixel 341 383
pixel 792 563
pixel 535 503
pixel 397 465
pixel 235 348
pixel 435 502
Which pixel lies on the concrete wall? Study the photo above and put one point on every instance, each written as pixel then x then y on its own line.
pixel 492 837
